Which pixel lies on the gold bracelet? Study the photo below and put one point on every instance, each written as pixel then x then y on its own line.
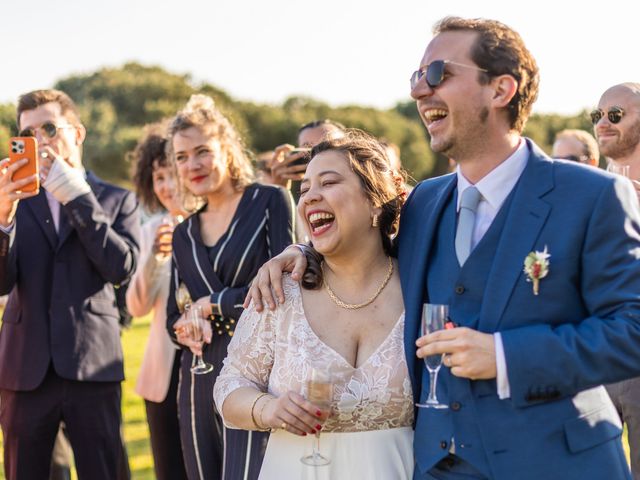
pixel 253 417
pixel 266 429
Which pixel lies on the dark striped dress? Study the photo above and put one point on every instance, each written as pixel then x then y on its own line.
pixel 260 229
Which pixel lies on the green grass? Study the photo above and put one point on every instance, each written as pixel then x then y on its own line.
pixel 136 432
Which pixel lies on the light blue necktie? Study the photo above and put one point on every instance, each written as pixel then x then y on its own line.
pixel 466 219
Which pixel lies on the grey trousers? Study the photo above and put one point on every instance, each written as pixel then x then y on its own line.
pixel 626 398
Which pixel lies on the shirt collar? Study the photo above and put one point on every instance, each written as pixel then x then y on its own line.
pixel 496 186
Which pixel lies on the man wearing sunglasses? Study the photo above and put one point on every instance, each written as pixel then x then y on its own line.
pixel 61 251
pixel 616 123
pixel 577 146
pixel 529 350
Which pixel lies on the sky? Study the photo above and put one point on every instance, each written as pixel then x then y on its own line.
pixel 342 52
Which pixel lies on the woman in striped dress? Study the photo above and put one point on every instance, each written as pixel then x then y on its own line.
pixel 216 253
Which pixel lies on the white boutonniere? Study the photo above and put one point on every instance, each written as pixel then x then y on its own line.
pixel 536 266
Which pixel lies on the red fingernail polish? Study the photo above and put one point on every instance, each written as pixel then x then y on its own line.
pixel 318 427
pixel 319 413
pixel 304 434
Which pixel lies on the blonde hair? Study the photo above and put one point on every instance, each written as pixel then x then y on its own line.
pixel 200 112
pixel 589 144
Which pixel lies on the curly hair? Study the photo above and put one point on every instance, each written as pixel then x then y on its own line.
pixel 149 153
pixel 200 112
pixel 501 51
pixel 383 187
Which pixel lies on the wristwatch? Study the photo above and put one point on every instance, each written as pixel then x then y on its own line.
pixel 215 306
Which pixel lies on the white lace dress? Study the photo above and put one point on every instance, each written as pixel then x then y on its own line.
pixel 368 435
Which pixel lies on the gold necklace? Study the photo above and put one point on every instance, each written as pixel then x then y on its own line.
pixel 354 306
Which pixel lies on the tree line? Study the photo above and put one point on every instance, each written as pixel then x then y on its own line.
pixel 116 103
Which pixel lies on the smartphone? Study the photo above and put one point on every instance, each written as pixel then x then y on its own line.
pixel 25 147
pixel 302 160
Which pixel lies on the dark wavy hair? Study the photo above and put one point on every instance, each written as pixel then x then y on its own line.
pixel 383 187
pixel 149 154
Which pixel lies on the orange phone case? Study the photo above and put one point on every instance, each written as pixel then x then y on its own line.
pixel 25 147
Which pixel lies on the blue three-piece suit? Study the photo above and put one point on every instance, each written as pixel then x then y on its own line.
pixel 581 331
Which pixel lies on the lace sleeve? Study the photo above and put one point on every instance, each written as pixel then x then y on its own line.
pixel 249 356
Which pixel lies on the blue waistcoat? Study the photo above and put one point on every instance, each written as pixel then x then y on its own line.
pixel 463 290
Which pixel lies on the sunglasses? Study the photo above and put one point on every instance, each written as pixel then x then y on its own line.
pixel 574 158
pixel 434 72
pixel 48 129
pixel 614 115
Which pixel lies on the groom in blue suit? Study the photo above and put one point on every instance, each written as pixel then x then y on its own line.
pixel 533 344
pixel 539 263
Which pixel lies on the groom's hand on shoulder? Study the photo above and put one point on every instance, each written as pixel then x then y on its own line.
pixel 468 353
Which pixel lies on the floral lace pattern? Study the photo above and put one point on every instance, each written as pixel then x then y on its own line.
pixel 274 352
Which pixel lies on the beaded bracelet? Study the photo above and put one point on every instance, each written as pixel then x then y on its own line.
pixel 253 417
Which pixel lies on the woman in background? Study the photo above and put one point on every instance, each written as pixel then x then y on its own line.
pixel 157 383
pixel 216 253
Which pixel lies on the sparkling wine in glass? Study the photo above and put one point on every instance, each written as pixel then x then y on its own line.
pixel 320 393
pixel 194 314
pixel 618 168
pixel 434 317
pixel 183 298
pixel 164 234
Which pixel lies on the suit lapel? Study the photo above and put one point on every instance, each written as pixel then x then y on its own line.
pixel 414 268
pixel 203 274
pixel 526 217
pixel 40 209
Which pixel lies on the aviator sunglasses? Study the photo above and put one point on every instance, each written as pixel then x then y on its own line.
pixel 434 72
pixel 614 115
pixel 48 129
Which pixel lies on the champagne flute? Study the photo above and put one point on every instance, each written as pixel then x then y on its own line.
pixel 618 168
pixel 434 318
pixel 164 234
pixel 183 298
pixel 194 314
pixel 320 393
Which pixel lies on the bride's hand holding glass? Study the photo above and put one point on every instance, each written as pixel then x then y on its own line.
pixel 293 413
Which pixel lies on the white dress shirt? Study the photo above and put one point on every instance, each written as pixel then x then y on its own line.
pixel 495 187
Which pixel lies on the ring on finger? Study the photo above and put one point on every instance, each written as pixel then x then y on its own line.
pixel 284 426
pixel 447 360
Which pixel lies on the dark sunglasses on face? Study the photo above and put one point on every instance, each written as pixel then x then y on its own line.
pixel 614 115
pixel 48 129
pixel 434 72
pixel 574 158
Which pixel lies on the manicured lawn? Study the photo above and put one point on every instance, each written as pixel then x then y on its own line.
pixel 135 425
pixel 136 431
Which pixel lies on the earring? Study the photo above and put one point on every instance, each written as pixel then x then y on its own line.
pixel 374 221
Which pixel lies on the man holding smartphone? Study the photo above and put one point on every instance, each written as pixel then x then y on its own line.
pixel 289 163
pixel 61 252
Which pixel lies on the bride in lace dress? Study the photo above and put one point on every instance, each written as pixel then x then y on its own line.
pixel 346 318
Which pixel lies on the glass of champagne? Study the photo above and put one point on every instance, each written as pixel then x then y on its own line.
pixel 434 317
pixel 618 168
pixel 164 235
pixel 320 393
pixel 183 298
pixel 194 314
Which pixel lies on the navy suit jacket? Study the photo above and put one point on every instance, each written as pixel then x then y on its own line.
pixel 62 307
pixel 581 331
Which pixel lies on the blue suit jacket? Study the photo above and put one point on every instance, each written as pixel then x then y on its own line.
pixel 581 331
pixel 62 307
